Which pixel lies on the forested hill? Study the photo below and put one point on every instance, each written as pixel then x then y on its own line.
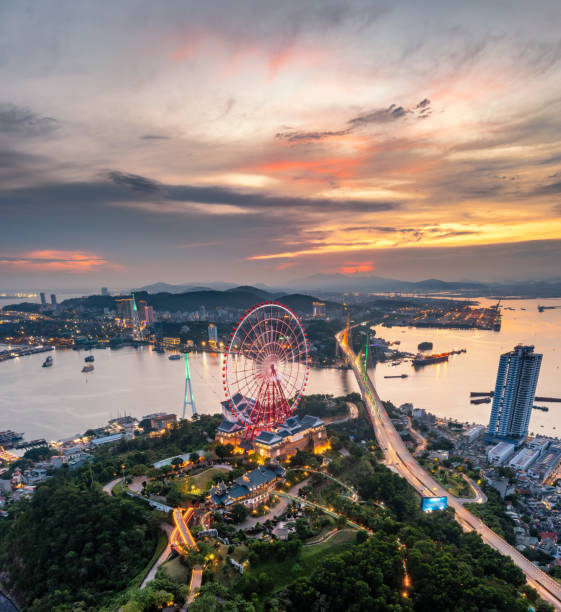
pixel 239 297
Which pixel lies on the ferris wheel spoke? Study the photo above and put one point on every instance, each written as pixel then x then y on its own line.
pixel 269 334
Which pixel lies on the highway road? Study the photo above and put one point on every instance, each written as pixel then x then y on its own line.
pixel 399 458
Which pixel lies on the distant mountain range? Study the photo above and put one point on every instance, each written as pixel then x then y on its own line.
pixel 338 283
pixel 244 296
pixel 341 283
pixel 189 287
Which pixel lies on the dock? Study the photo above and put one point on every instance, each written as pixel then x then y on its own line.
pixel 537 398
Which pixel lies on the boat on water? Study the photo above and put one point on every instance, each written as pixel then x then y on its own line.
pixel 481 400
pixel 89 359
pixel 88 368
pixel 422 360
pixel 542 408
pixel 425 346
pixel 48 362
pixel 174 357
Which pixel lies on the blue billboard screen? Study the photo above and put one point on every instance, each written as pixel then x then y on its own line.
pixel 428 504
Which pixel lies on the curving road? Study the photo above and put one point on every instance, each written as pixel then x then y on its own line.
pixel 399 458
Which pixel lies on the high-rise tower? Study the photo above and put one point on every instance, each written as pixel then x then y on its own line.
pixel 515 390
pixel 188 399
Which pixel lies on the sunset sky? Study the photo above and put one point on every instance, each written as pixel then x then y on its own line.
pixel 179 141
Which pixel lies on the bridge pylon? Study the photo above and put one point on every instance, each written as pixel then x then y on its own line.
pixel 188 400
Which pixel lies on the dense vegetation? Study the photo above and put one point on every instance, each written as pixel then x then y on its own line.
pixel 73 546
pixel 493 513
pixel 325 406
pixel 138 454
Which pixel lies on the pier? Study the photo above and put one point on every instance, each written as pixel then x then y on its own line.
pixel 537 398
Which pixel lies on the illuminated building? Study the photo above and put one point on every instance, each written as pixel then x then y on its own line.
pixel 171 343
pixel 212 334
pixel 319 310
pixel 252 489
pixel 515 390
pixel 146 314
pixel 125 310
pixel 295 434
pixel 160 420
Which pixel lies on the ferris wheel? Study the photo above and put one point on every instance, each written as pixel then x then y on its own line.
pixel 266 367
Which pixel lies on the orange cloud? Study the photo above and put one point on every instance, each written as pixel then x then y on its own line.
pixel 356 268
pixel 73 262
pixel 339 167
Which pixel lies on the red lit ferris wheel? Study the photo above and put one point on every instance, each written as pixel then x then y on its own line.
pixel 266 367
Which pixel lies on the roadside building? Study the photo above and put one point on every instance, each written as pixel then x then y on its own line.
pixel 500 453
pixel 524 459
pixel 546 464
pixel 474 433
pixel 540 444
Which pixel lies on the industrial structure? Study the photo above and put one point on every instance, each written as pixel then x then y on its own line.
pixel 514 394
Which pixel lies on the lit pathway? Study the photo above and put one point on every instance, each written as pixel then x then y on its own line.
pixel 331 513
pixel 108 488
pixel 353 494
pixel 162 558
pixel 181 534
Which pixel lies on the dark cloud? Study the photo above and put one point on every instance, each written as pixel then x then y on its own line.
pixel 378 116
pixel 154 137
pixel 381 115
pixel 17 159
pixel 133 181
pixel 307 136
pixel 130 189
pixel 551 160
pixel 551 189
pixel 22 121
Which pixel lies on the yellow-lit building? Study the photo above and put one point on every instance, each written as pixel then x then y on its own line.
pixel 295 434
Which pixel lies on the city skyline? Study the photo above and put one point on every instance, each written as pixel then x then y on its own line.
pixel 145 143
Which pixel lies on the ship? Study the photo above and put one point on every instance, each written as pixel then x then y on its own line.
pixel 542 408
pixel 9 438
pixel 174 357
pixel 542 308
pixel 421 360
pixel 88 368
pixel 48 362
pixel 425 346
pixel 481 400
pixel 89 359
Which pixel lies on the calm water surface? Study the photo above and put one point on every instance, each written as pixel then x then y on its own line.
pixel 444 388
pixel 60 401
